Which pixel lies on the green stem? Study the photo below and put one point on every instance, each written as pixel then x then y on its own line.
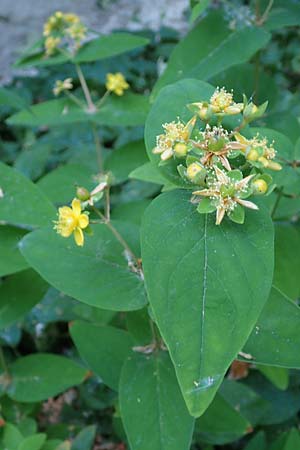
pixel 74 99
pixel 279 196
pixel 85 88
pixel 116 234
pixel 98 147
pixel 256 76
pixel 264 17
pixel 102 100
pixel 107 203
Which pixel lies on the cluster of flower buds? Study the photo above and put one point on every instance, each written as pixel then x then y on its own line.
pixel 224 166
pixel 116 83
pixel 63 28
pixel 62 86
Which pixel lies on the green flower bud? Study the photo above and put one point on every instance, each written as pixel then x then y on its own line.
pixel 195 172
pixel 82 193
pixel 252 155
pixel 180 149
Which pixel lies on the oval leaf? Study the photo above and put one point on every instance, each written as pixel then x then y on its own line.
pixel 152 408
pixel 207 285
pixel 39 376
pixel 88 274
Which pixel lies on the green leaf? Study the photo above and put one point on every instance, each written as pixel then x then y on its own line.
pixel 205 206
pixel 279 376
pixel 171 103
pixel 12 437
pixel 130 211
pixel 207 285
pixel 221 423
pixel 218 50
pixel 129 110
pixel 84 440
pixel 19 294
pixel 60 184
pixel 148 172
pixel 11 259
pixel 284 13
pixel 88 274
pixel 34 442
pixel 10 98
pixel 40 376
pixel 237 215
pixel 287 260
pixel 275 339
pixel 257 442
pixel 289 440
pixel 152 408
pixel 21 202
pixel 107 46
pixel 124 160
pixel 198 9
pixel 104 349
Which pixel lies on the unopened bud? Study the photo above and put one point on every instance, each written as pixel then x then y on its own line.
pixel 252 155
pixel 260 186
pixel 195 172
pixel 274 165
pixel 180 149
pixel 264 161
pixel 82 194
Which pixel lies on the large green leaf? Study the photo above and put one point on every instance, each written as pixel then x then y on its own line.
pixel 275 339
pixel 207 285
pixel 128 110
pixel 104 349
pixel 172 103
pixel 18 294
pixel 97 49
pixel 221 423
pixel 40 376
pixel 285 13
pixel 11 259
pixel 287 259
pixel 152 408
pixel 34 442
pixel 21 202
pixel 290 440
pixel 60 184
pixel 203 53
pixel 97 274
pixel 107 46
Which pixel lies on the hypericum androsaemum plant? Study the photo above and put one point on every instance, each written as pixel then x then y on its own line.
pixel 163 316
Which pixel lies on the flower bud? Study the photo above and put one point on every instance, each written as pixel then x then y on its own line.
pixel 195 172
pixel 274 165
pixel 252 155
pixel 264 161
pixel 260 186
pixel 82 193
pixel 180 149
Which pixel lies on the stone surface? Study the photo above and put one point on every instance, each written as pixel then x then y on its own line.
pixel 21 21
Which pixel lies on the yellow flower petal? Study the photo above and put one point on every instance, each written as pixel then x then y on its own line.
pixel 79 237
pixel 76 206
pixel 65 211
pixel 83 220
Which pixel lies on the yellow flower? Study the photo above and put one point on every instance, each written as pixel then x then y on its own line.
pixel 115 82
pixel 72 220
pixel 61 86
pixel 221 102
pixel 51 44
pixel 174 133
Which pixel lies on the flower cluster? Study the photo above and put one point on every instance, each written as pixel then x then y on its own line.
pixel 61 86
pixel 115 82
pixel 226 166
pixel 62 28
